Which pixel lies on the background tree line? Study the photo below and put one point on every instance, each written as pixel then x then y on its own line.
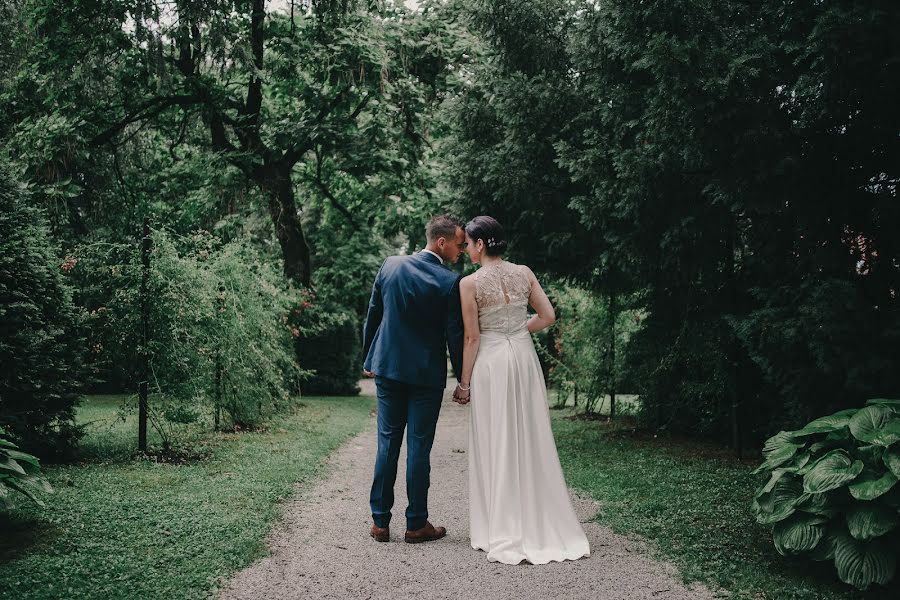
pixel 730 168
pixel 720 177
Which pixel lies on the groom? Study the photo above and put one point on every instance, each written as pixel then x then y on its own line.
pixel 414 313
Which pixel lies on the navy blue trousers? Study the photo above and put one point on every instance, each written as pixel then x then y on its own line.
pixel 414 408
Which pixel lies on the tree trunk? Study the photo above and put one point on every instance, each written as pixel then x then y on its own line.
pixel 279 191
pixel 220 308
pixel 145 336
pixel 612 355
pixel 730 350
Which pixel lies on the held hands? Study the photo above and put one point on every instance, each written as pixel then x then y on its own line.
pixel 461 394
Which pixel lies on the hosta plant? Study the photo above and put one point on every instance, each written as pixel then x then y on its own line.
pixel 832 491
pixel 19 472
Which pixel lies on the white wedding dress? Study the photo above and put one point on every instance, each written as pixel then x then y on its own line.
pixel 519 505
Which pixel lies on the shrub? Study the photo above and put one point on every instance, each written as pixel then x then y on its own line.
pixel 329 345
pixel 832 494
pixel 574 361
pixel 681 372
pixel 40 350
pixel 218 327
pixel 19 472
pixel 815 345
pixel 575 351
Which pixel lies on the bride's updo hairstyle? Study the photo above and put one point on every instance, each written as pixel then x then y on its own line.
pixel 490 231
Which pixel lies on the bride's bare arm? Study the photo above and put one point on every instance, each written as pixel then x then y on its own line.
pixel 472 334
pixel 545 315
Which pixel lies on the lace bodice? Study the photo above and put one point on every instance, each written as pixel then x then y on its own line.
pixel 501 292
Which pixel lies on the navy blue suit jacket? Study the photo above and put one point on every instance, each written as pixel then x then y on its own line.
pixel 414 314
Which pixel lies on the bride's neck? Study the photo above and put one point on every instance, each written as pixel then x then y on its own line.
pixel 487 261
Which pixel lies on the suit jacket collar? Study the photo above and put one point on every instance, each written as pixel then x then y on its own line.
pixel 431 257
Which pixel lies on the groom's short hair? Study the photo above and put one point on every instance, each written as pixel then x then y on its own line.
pixel 442 226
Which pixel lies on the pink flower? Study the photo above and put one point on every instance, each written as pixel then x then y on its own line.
pixel 69 264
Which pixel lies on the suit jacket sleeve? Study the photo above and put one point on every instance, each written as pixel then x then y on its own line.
pixel 373 317
pixel 455 329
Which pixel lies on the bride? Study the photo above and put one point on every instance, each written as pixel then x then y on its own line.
pixel 519 505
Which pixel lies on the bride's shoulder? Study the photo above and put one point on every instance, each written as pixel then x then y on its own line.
pixel 526 274
pixel 524 269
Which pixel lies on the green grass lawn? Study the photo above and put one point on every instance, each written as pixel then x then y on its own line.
pixel 123 528
pixel 693 501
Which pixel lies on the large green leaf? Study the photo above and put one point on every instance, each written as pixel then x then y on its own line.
pixel 860 563
pixel 876 424
pixel 870 454
pixel 892 403
pixel 831 471
pixel 778 441
pixel 778 504
pixel 773 479
pixel 870 486
pixel 23 457
pixel 781 456
pixel 870 520
pixel 891 459
pixel 824 550
pixel 8 465
pixel 819 504
pixel 793 466
pixel 798 534
pixel 778 455
pixel 827 424
pixel 25 491
pixel 823 447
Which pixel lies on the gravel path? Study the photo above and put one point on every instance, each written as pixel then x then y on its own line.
pixel 322 548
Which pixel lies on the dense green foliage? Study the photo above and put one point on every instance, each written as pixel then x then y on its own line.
pixel 40 349
pixel 831 493
pixel 125 529
pixel 219 337
pixel 208 108
pixel 582 351
pixel 20 473
pixel 731 168
pixel 329 346
pixel 303 128
pixel 254 134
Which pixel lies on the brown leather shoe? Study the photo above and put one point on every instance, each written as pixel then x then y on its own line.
pixel 425 534
pixel 381 534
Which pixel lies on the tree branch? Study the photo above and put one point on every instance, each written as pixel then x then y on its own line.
pixel 327 193
pixel 361 106
pixel 148 110
pixel 218 135
pixel 250 134
pixel 292 155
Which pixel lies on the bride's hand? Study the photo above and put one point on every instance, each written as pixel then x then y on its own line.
pixel 460 396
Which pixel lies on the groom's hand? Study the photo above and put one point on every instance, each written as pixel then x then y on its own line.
pixel 368 374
